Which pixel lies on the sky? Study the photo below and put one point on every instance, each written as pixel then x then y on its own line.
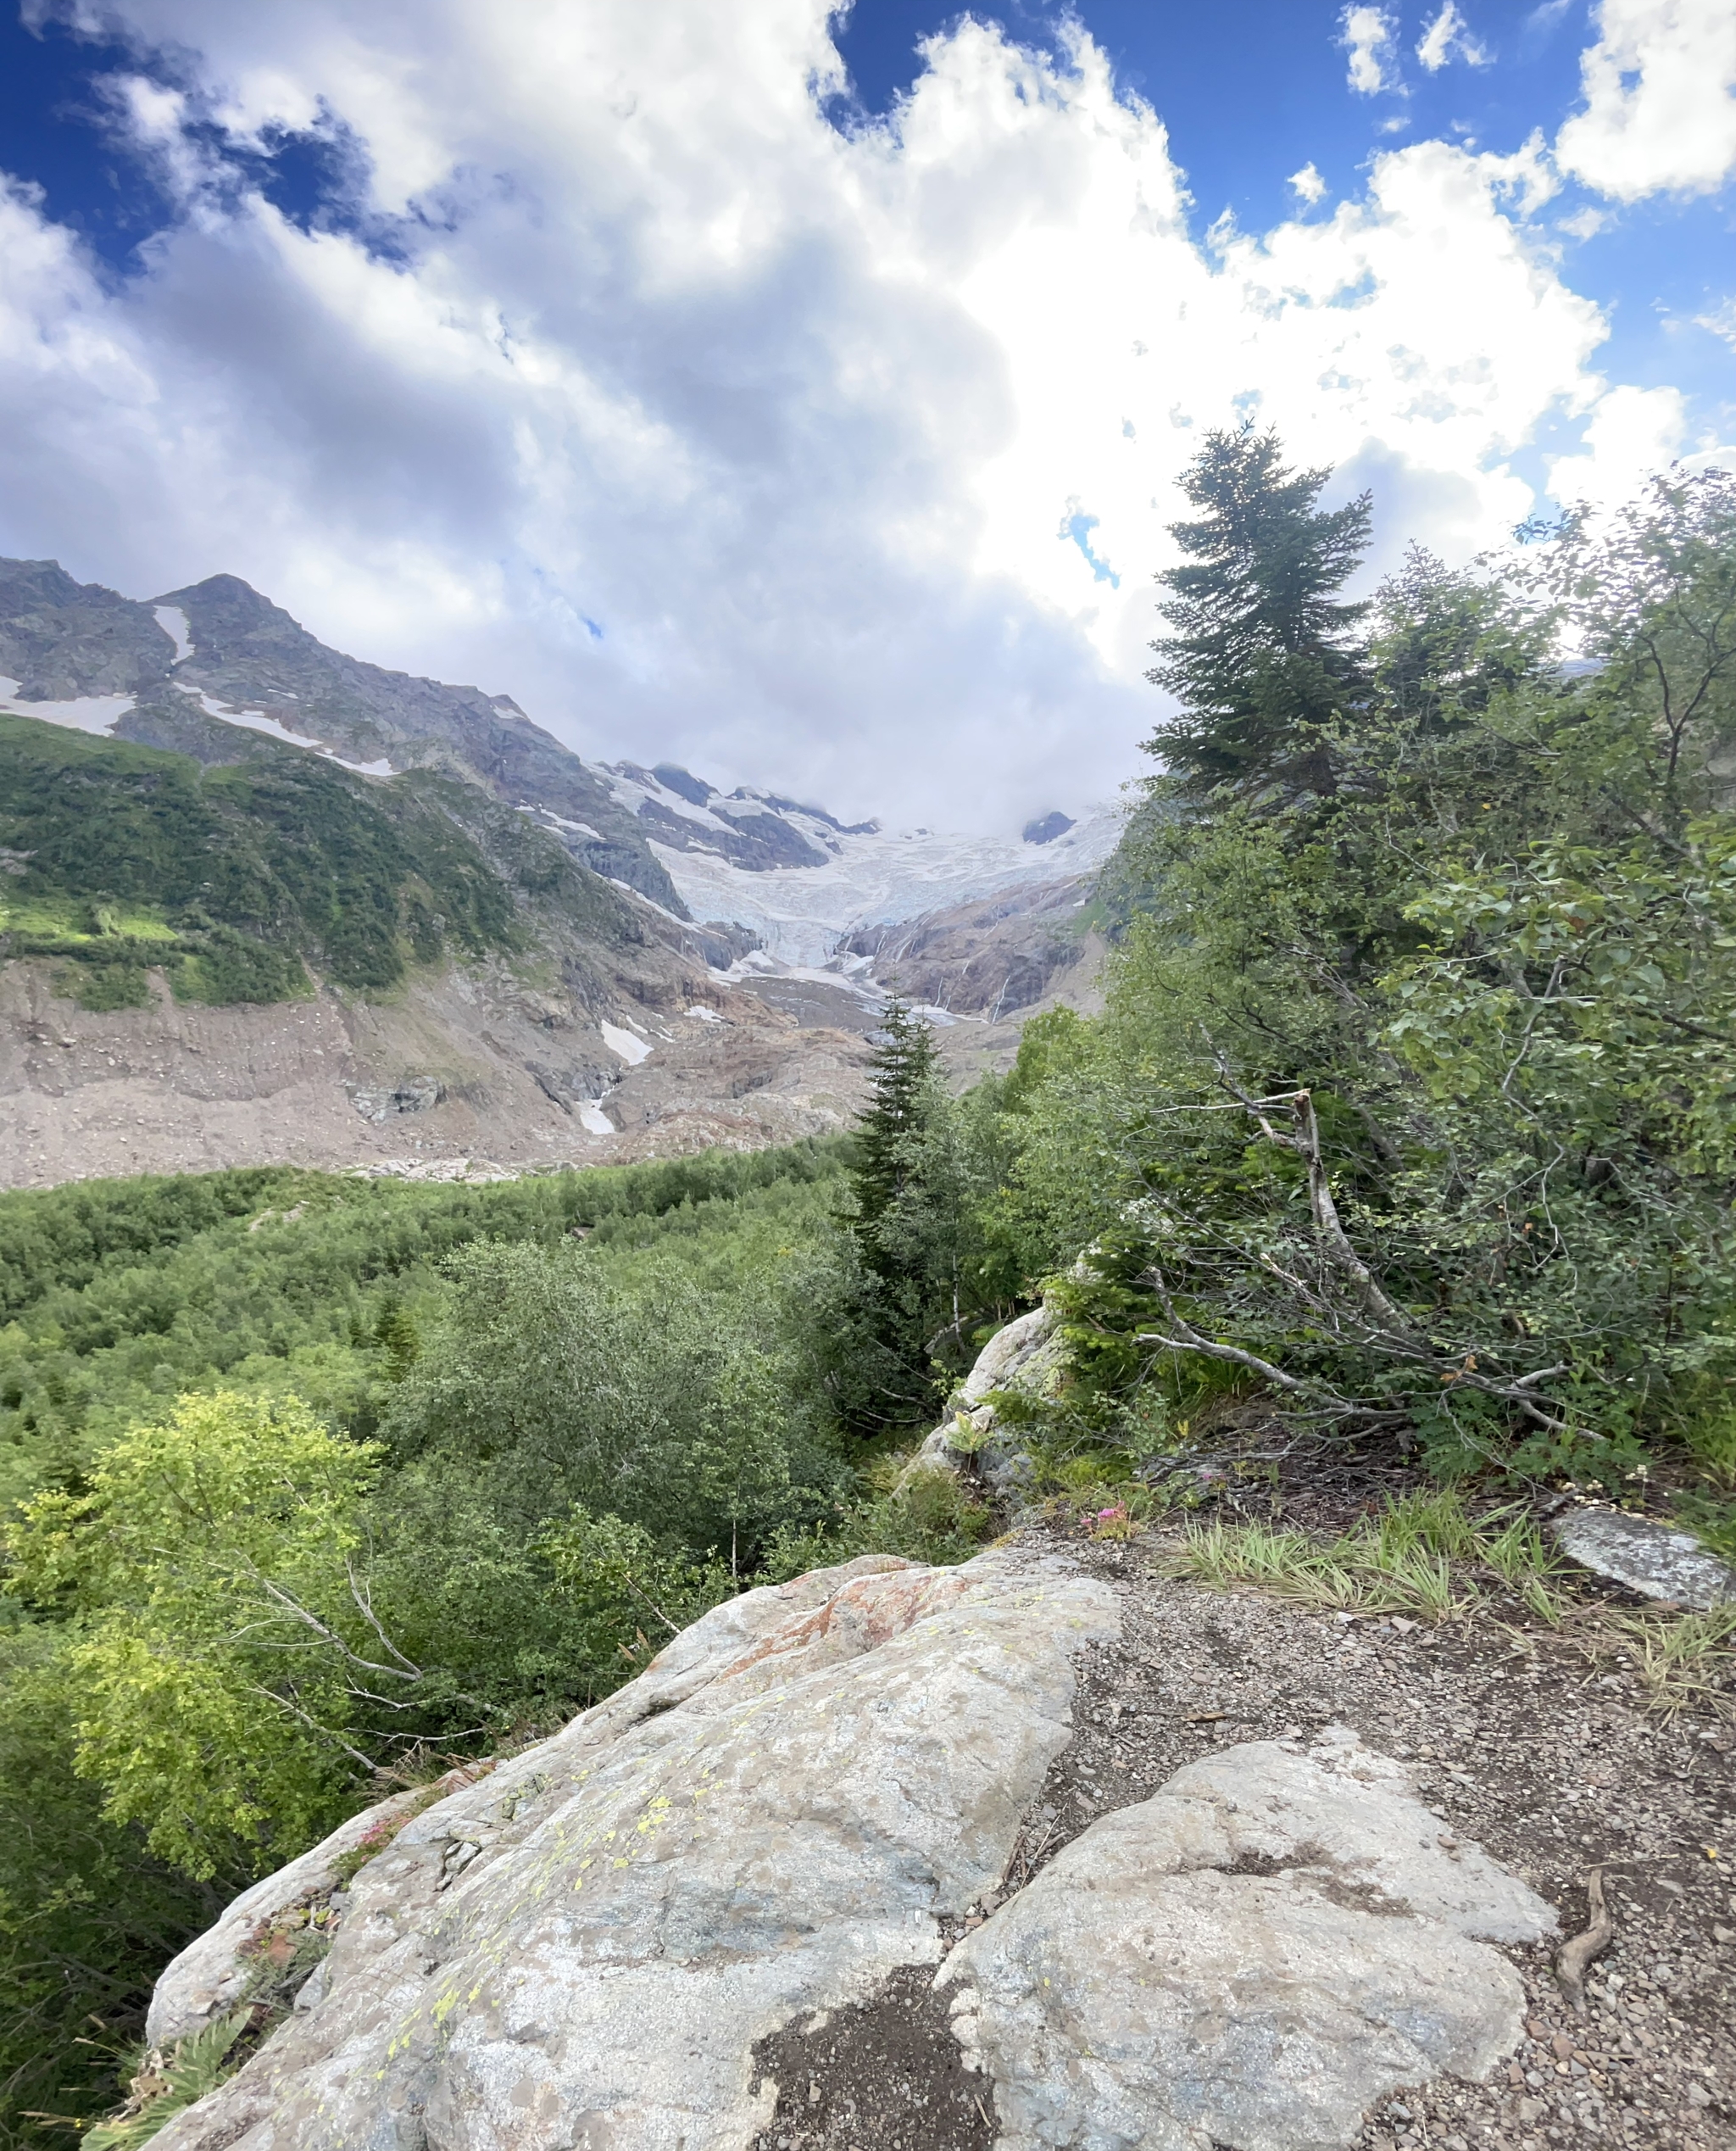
pixel 800 394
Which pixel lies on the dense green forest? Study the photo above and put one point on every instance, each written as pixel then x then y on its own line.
pixel 232 879
pixel 1408 1128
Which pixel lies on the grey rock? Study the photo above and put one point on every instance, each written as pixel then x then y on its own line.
pixel 1026 1355
pixel 1651 1558
pixel 60 639
pixel 1252 1958
pixel 767 1822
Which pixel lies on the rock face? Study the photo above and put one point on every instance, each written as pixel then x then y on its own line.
pixel 988 956
pixel 584 1948
pixel 1648 1557
pixel 1250 1958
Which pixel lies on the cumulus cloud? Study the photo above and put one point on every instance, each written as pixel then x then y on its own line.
pixel 1449 37
pixel 630 385
pixel 1369 36
pixel 1632 433
pixel 1309 185
pixel 1660 89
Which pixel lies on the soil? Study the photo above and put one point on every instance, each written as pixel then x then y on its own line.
pixel 1521 1741
pixel 465 1063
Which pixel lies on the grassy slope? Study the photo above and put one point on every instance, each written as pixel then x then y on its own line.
pixel 119 856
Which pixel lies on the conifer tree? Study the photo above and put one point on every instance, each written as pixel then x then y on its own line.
pixel 900 1106
pixel 1264 655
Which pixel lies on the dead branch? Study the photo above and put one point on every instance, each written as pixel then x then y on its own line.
pixel 362 1593
pixel 1575 1957
pixel 292 1606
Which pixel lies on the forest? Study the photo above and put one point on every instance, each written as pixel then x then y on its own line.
pixel 1407 1128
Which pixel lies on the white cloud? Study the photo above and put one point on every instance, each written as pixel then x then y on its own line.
pixel 1310 185
pixel 1631 433
pixel 1721 321
pixel 1449 37
pixel 1370 36
pixel 859 452
pixel 1659 88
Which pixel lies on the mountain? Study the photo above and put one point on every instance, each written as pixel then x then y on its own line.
pixel 186 670
pixel 804 883
pixel 260 900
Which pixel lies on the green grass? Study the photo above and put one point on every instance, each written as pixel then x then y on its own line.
pixel 1427 1556
pixel 1422 1554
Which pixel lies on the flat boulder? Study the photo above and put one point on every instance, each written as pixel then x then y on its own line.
pixel 1654 1559
pixel 1252 1958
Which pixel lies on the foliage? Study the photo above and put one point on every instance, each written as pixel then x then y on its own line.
pixel 905 1295
pixel 165 2085
pixel 116 1297
pixel 558 1389
pixel 88 1915
pixel 922 1513
pixel 221 1639
pixel 1412 1105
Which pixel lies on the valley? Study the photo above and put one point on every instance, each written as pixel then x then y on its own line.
pixel 438 941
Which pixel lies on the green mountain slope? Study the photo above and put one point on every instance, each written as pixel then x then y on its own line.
pixel 61 640
pixel 237 879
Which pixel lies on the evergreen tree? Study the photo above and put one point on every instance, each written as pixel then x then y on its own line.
pixel 901 1105
pixel 1264 655
pixel 913 1225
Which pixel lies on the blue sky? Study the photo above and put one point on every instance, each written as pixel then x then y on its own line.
pixel 781 390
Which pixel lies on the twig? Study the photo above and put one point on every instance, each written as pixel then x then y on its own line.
pixel 1575 1957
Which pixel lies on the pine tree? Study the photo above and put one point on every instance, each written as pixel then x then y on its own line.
pixel 903 1089
pixel 1264 655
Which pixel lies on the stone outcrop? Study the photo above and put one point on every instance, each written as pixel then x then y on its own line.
pixel 583 1948
pixel 608 1941
pixel 1252 1958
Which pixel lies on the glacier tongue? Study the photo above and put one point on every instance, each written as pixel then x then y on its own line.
pixel 877 877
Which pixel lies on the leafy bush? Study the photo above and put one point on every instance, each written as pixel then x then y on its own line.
pixel 1413 1105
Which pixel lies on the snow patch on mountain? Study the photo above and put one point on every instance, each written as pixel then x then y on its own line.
pixel 98 713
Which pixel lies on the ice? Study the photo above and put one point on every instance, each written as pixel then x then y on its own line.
pixel 598 1120
pixel 801 913
pixel 623 1044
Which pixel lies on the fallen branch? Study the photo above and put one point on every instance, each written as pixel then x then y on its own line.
pixel 1575 1957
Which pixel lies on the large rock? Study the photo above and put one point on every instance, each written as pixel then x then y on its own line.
pixel 583 1948
pixel 1028 1354
pixel 1650 1558
pixel 1252 1958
